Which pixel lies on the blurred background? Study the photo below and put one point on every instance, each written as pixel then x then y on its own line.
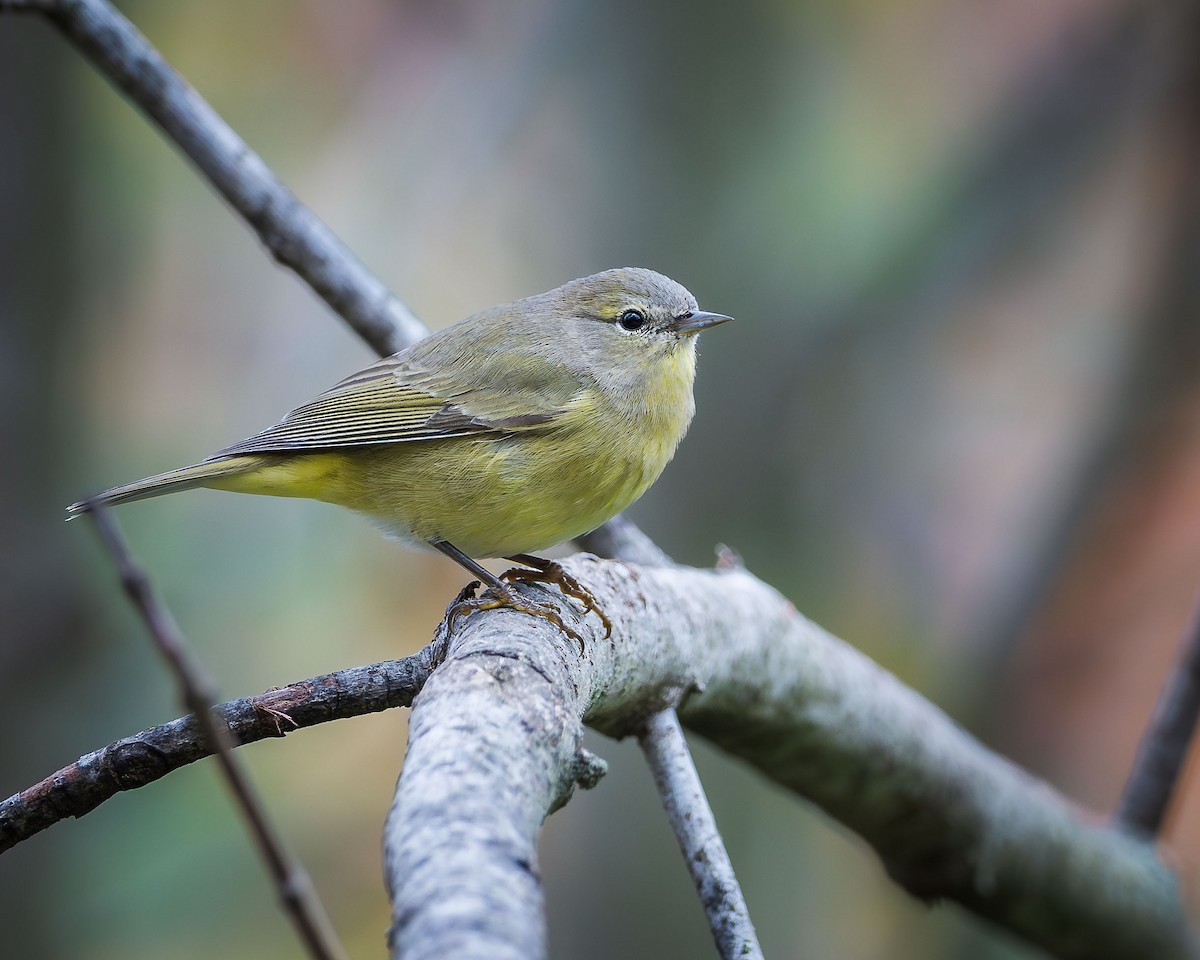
pixel 957 421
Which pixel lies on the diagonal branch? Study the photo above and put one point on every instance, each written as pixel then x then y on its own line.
pixel 136 761
pixel 293 234
pixel 699 840
pixel 292 882
pixel 1165 744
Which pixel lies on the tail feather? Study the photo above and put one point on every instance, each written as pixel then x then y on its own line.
pixel 184 478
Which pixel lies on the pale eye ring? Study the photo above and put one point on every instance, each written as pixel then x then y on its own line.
pixel 632 320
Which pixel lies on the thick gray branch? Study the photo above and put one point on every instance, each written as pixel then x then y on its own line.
pixel 949 818
pixel 495 744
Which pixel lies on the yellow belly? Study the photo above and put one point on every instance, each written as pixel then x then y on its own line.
pixel 490 498
pixel 500 495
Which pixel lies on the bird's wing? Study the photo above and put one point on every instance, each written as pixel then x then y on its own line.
pixel 397 400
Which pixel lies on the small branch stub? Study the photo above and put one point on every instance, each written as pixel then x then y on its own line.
pixel 588 769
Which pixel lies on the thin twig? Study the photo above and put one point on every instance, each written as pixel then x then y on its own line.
pixel 696 830
pixel 1164 379
pixel 138 760
pixel 291 881
pixel 1164 747
pixel 293 234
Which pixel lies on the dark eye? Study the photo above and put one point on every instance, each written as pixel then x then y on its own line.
pixel 632 320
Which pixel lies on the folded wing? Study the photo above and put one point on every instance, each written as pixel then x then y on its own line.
pixel 395 401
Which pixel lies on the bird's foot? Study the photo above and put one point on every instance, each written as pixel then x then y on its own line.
pixel 551 571
pixel 505 596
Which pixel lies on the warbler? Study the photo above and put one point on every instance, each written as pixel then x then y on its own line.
pixel 513 430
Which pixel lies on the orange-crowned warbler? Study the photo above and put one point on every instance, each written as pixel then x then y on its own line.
pixel 515 429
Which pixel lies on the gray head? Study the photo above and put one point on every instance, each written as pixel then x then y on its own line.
pixel 634 301
pixel 619 330
pixel 616 326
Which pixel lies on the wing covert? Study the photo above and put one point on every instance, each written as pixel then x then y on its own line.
pixel 377 405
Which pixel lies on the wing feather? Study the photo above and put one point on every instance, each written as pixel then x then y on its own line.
pixel 394 402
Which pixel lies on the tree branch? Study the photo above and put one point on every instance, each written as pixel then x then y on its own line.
pixel 621 539
pixel 293 234
pixel 494 744
pixel 1165 744
pixel 949 818
pixel 292 882
pixel 699 840
pixel 141 759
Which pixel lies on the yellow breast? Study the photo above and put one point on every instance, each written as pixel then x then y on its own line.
pixel 517 493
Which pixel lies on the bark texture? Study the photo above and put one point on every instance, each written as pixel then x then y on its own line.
pixel 494 746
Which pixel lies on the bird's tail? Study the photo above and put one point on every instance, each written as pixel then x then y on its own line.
pixel 185 478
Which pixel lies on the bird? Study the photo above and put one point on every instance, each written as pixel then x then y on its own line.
pixel 515 429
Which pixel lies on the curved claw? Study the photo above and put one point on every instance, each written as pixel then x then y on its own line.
pixel 550 571
pixel 514 601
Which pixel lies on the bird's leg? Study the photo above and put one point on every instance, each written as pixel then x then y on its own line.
pixel 505 595
pixel 551 571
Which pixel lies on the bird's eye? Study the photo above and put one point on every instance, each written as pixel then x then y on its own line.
pixel 632 320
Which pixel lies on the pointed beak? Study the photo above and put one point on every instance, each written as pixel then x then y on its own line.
pixel 697 320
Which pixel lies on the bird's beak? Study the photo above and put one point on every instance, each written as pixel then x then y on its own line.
pixel 697 320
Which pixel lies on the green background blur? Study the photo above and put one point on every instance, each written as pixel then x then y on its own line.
pixel 957 421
